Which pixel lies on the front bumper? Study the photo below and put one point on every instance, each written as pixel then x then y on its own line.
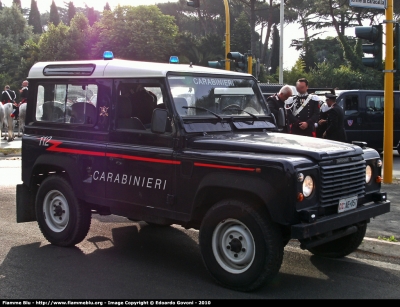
pixel 341 220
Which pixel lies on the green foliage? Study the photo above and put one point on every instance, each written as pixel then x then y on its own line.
pixel 240 37
pixel 138 33
pixel 71 12
pixel 344 77
pixel 52 44
pixel 34 18
pixel 54 16
pixel 17 3
pixel 297 72
pixel 275 50
pixel 389 239
pixel 107 7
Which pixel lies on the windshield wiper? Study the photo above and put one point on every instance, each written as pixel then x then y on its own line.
pixel 204 109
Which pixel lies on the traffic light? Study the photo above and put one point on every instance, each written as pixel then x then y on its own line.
pixel 374 35
pixel 194 3
pixel 396 45
pixel 239 59
pixel 216 64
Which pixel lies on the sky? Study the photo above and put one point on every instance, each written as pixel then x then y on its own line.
pixel 291 31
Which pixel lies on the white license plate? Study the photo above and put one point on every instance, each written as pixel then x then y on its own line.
pixel 347 204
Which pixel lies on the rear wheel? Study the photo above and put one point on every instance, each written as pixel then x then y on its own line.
pixel 61 218
pixel 341 247
pixel 240 245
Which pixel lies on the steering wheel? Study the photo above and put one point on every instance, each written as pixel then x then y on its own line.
pixel 230 106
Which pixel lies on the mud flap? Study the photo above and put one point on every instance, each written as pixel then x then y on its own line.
pixel 25 204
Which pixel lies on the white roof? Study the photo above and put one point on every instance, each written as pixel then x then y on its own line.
pixel 127 69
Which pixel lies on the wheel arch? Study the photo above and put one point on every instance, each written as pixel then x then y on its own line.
pixel 218 186
pixel 66 167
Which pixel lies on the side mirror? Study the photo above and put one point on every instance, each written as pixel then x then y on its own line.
pixel 159 121
pixel 281 119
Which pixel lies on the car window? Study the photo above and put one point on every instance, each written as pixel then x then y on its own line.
pixel 225 96
pixel 374 103
pixel 349 103
pixel 67 103
pixel 136 101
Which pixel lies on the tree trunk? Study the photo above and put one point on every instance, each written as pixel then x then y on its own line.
pixel 253 25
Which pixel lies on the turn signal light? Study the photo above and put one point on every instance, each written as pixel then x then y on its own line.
pixel 300 197
pixel 379 179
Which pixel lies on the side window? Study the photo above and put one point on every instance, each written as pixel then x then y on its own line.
pixel 67 103
pixel 374 104
pixel 350 104
pixel 135 103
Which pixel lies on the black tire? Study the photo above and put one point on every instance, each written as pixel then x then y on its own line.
pixel 251 235
pixel 61 218
pixel 341 247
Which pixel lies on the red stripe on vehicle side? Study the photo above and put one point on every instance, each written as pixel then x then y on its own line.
pixel 237 168
pixel 112 155
pixel 55 148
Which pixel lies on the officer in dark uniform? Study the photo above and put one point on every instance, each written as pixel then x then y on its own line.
pixel 335 122
pixel 303 110
pixel 277 101
pixel 24 98
pixel 8 95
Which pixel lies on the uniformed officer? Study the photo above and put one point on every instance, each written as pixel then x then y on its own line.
pixel 7 95
pixel 24 98
pixel 277 101
pixel 302 110
pixel 335 122
pixel 320 127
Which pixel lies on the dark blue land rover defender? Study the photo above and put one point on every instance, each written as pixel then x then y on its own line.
pixel 193 146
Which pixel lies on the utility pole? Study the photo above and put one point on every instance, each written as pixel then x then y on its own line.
pixel 227 35
pixel 281 43
pixel 388 98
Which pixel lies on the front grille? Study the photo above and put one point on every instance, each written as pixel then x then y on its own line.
pixel 340 181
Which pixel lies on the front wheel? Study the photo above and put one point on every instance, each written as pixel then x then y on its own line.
pixel 341 247
pixel 240 245
pixel 62 219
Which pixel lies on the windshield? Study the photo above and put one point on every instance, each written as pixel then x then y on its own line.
pixel 225 96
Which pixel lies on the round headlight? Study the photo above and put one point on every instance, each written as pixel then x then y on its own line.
pixel 368 174
pixel 308 186
pixel 379 163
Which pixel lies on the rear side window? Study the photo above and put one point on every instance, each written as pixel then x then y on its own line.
pixel 349 103
pixel 67 103
pixel 374 103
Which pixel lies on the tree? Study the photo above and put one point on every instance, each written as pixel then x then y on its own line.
pixel 240 38
pixel 17 3
pixel 71 12
pixel 78 38
pixel 34 18
pixel 54 16
pixel 91 15
pixel 53 43
pixel 1 5
pixel 14 32
pixel 275 50
pixel 138 33
pixel 107 7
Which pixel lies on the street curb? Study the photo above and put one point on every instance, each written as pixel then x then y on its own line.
pixel 380 247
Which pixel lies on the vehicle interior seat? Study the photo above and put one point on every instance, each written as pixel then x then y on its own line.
pixel 371 105
pixel 143 104
pixel 83 113
pixel 124 118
